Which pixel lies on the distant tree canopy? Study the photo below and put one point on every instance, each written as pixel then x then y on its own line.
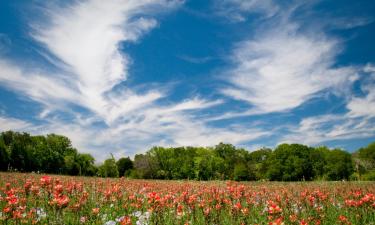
pixel 364 162
pixel 109 168
pixel 287 162
pixel 48 154
pixel 124 166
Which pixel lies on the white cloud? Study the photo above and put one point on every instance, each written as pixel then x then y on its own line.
pixel 42 88
pixel 282 68
pixel 86 37
pixel 365 105
pixel 319 129
pixel 236 10
pixel 358 122
pixel 8 123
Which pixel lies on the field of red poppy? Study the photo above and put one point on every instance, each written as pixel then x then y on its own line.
pixel 41 199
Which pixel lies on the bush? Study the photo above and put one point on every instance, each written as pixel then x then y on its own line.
pixel 369 176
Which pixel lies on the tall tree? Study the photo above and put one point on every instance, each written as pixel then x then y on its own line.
pixel 290 162
pixel 339 165
pixel 109 168
pixel 4 156
pixel 124 165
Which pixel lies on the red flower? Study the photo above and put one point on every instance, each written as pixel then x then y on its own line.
pixel 45 180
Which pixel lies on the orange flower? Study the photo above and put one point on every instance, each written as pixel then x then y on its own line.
pixel 126 221
pixel 95 211
pixel 343 219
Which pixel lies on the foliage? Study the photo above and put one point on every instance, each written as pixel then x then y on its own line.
pixel 48 154
pixel 287 162
pixel 364 162
pixel 4 156
pixel 339 165
pixel 124 165
pixel 109 168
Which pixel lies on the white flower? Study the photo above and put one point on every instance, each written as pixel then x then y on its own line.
pixel 40 213
pixel 141 223
pixel 111 222
pixel 104 216
pixel 147 214
pixel 119 219
pixel 137 214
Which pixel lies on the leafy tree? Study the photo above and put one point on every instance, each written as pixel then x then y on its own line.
pixel 8 137
pixel 71 166
pixel 19 156
pixel 228 153
pixel 257 163
pixel 86 165
pixel 109 168
pixel 318 157
pixel 241 172
pixel 339 165
pixel 364 160
pixel 368 154
pixel 4 156
pixel 290 162
pixel 124 165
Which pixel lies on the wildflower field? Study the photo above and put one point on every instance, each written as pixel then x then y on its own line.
pixel 41 199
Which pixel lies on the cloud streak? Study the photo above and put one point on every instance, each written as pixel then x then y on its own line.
pixel 284 66
pixel 236 10
pixel 86 37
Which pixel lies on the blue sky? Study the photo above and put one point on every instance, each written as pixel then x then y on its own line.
pixel 120 76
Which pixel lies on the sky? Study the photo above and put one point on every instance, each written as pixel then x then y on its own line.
pixel 121 76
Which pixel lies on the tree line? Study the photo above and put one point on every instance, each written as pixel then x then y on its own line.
pixel 287 162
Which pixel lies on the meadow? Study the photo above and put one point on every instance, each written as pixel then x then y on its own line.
pixel 27 198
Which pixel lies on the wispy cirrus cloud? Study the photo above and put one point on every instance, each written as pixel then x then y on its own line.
pixel 236 10
pixel 12 123
pixel 365 105
pixel 357 122
pixel 285 64
pixel 87 37
pixel 282 68
pixel 319 129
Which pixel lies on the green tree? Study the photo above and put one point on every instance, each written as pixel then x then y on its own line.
pixel 241 172
pixel 124 166
pixel 4 156
pixel 228 153
pixel 290 162
pixel 318 157
pixel 19 156
pixel 109 168
pixel 339 165
pixel 257 163
pixel 146 166
pixel 364 160
pixel 86 164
